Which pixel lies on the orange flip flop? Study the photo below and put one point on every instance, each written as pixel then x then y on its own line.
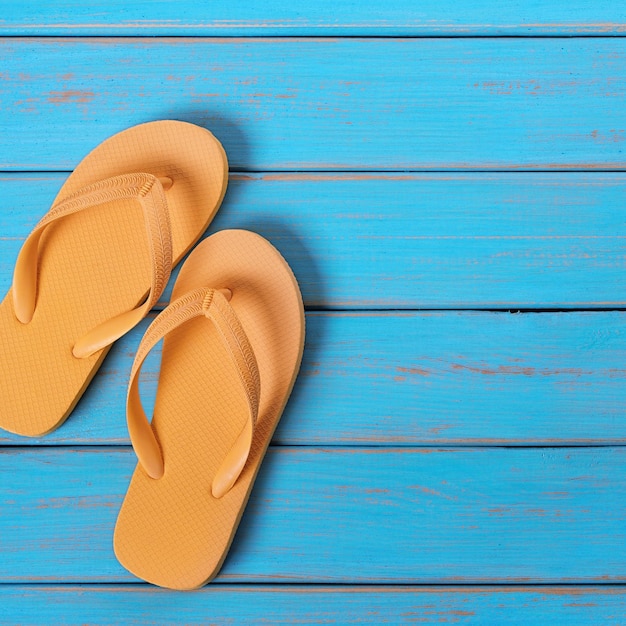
pixel 98 261
pixel 233 340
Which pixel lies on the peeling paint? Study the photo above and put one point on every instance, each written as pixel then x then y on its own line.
pixel 70 95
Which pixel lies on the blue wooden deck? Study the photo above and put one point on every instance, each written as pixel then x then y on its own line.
pixel 448 182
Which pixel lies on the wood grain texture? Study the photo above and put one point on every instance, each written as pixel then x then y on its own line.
pixel 313 604
pixel 417 379
pixel 344 515
pixel 324 17
pixel 311 104
pixel 478 240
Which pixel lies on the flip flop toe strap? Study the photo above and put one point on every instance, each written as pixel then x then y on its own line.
pixel 149 191
pixel 212 304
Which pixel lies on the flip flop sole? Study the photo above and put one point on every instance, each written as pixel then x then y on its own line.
pixel 172 531
pixel 95 264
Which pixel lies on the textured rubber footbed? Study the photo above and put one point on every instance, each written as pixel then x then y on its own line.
pixel 96 264
pixel 172 531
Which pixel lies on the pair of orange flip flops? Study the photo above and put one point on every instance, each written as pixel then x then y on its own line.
pixel 233 336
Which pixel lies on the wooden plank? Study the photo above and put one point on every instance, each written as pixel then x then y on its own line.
pixel 310 104
pixel 425 379
pixel 488 240
pixel 280 17
pixel 313 604
pixel 389 515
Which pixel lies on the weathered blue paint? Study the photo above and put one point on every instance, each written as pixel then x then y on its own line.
pixel 349 515
pixel 323 17
pixel 413 379
pixel 360 240
pixel 488 240
pixel 313 604
pixel 285 104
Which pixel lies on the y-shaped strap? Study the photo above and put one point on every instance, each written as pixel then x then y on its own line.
pixel 149 191
pixel 214 305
